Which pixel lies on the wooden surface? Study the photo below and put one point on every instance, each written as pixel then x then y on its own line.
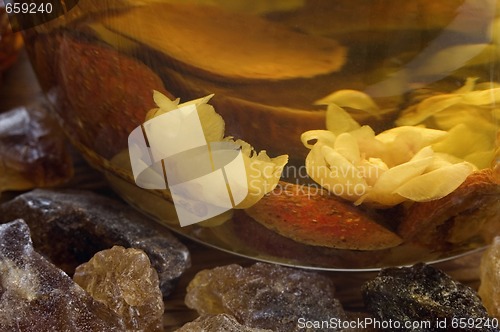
pixel 19 87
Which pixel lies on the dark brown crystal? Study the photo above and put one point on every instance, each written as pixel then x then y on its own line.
pixel 265 296
pixel 37 296
pixel 69 227
pixel 217 323
pixel 423 293
pixel 33 151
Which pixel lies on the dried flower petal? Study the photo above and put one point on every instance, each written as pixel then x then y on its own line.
pixel 339 121
pixel 263 172
pixel 391 167
pixel 352 99
pixel 435 184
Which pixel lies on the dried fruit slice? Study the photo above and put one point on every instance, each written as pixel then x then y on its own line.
pixel 105 94
pixel 470 210
pixel 213 41
pixel 312 216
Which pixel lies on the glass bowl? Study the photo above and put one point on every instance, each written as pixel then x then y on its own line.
pixel 324 83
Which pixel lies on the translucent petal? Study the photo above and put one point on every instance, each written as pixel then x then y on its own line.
pixel 470 84
pixel 394 177
pixel 339 121
pixel 164 102
pixel 425 136
pixel 477 117
pixel 343 176
pixel 463 140
pixel 353 99
pixel 481 159
pixel 482 97
pixel 319 136
pixel 435 184
pixel 199 101
pixel 335 173
pixel 372 169
pixel 347 146
pixel 263 173
pixel 211 122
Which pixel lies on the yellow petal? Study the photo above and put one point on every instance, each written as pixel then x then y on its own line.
pixel 347 146
pixel 211 122
pixel 164 102
pixel 482 97
pixel 263 173
pixel 427 108
pixel 339 121
pixel 435 184
pixel 403 142
pixel 425 136
pixel 384 191
pixel 470 85
pixel 352 99
pixel 309 138
pixel 342 178
pixel 463 140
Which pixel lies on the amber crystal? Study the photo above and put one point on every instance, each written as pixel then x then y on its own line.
pixel 489 291
pixel 217 323
pixel 37 296
pixel 265 296
pixel 125 282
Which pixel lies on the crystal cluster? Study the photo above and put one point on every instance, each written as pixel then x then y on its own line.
pixel 217 323
pixel 37 296
pixel 69 227
pixel 124 281
pixel 489 291
pixel 422 293
pixel 264 296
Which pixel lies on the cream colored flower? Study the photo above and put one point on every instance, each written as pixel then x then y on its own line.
pixel 471 116
pixel 382 170
pixel 262 172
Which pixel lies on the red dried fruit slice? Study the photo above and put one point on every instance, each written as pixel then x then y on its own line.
pixel 105 94
pixel 312 216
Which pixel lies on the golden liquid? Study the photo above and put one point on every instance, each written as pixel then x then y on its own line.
pixel 267 63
